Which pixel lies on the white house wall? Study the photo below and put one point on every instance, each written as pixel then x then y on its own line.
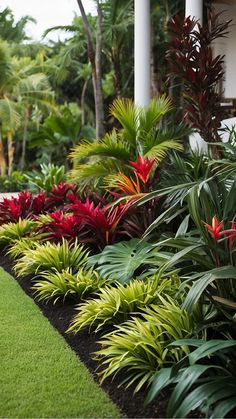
pixel 227 47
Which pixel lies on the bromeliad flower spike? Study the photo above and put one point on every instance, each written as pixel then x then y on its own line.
pixel 215 228
pixel 143 167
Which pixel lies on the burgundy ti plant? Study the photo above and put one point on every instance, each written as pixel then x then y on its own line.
pixel 191 59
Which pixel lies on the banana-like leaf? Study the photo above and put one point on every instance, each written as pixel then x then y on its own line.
pixel 121 260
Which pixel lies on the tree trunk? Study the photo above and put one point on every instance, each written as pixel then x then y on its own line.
pixel 95 60
pixel 115 57
pixel 82 102
pixel 25 137
pixel 11 150
pixel 3 164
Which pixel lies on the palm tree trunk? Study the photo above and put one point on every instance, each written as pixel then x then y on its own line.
pixel 115 57
pixel 3 164
pixel 11 150
pixel 82 102
pixel 95 60
pixel 25 137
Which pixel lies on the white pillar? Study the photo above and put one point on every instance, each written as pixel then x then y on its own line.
pixel 194 8
pixel 142 48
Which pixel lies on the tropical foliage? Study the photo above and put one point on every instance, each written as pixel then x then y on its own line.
pixel 143 240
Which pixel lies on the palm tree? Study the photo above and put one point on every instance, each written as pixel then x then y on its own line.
pixel 10 30
pixel 118 19
pixel 144 132
pixel 21 88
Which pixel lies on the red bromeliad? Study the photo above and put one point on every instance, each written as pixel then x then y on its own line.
pixel 98 224
pixel 215 228
pixel 217 233
pixel 143 167
pixel 25 205
pixel 60 226
pixel 61 194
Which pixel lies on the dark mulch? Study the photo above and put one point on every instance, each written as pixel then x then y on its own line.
pixel 84 345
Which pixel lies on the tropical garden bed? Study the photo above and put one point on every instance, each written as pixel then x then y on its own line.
pixel 131 254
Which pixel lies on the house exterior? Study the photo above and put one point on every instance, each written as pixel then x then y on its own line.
pixel 225 46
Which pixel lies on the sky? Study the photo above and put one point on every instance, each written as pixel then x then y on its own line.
pixel 48 13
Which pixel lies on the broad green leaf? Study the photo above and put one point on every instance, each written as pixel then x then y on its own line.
pixel 160 381
pixel 223 408
pixel 182 230
pixel 189 376
pixel 121 260
pixel 225 272
pixel 198 397
pixel 209 348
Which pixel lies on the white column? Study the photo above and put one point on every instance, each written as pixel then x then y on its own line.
pixel 194 8
pixel 142 47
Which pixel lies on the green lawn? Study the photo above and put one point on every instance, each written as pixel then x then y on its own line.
pixel 40 376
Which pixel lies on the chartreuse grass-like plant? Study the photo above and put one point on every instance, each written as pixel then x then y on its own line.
pixel 52 286
pixel 20 246
pixel 12 232
pixel 204 380
pixel 52 257
pixel 139 347
pixel 115 304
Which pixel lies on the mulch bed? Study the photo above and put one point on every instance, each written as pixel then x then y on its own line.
pixel 84 345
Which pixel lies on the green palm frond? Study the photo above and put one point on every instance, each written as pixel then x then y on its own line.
pixel 112 145
pixel 9 115
pixel 150 117
pixel 160 151
pixel 95 173
pixel 5 65
pixel 143 133
pixel 125 111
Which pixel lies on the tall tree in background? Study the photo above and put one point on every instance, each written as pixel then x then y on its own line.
pixel 94 56
pixel 118 18
pixel 12 31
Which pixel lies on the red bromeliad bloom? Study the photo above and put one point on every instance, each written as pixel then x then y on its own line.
pixel 217 233
pixel 61 226
pixel 100 220
pixel 61 194
pixel 143 167
pixel 215 228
